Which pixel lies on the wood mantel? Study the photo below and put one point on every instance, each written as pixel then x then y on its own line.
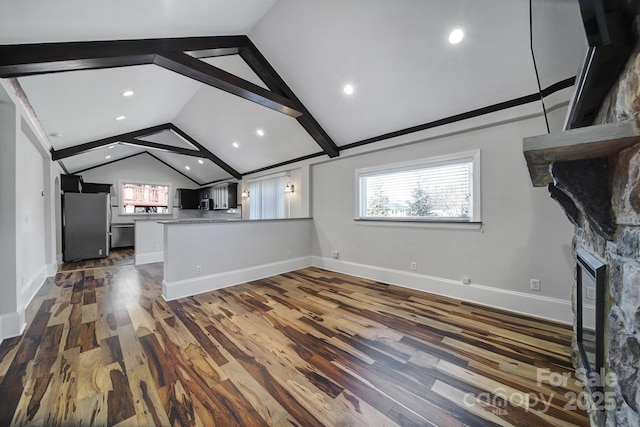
pixel 577 144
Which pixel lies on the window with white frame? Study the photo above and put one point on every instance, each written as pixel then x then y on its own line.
pixel 444 188
pixel 144 198
pixel 267 197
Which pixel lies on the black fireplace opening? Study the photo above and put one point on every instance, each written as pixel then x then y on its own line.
pixel 591 276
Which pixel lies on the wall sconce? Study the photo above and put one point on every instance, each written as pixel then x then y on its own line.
pixel 290 188
pixel 245 193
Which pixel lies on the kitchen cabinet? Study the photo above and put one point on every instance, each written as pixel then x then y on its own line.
pixel 206 193
pixel 189 199
pixel 225 196
pixel 71 183
pixel 92 187
pixel 205 197
pixel 221 196
pixel 232 191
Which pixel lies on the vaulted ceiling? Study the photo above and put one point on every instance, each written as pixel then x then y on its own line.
pixel 231 68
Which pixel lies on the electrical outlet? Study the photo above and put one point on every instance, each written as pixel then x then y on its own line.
pixel 466 280
pixel 535 284
pixel 288 254
pixel 156 248
pixel 414 266
pixel 198 269
pixel 99 251
pixel 335 253
pixel 591 293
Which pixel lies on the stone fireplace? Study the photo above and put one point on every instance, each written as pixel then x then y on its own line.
pixel 594 174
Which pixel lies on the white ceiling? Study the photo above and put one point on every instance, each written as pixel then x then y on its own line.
pixel 398 58
pixel 396 55
pixel 82 105
pixel 37 21
pixel 99 157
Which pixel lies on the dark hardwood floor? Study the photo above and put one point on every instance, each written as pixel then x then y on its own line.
pixel 124 256
pixel 307 348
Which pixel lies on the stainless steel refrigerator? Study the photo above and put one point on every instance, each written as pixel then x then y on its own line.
pixel 86 224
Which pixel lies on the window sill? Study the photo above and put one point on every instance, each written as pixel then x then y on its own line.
pixel 143 215
pixel 446 224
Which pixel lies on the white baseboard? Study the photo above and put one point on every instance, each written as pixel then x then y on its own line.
pixel 33 286
pixel 52 269
pixel 11 324
pixel 519 302
pixel 200 284
pixel 149 257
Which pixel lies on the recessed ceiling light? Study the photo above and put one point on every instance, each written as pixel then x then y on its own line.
pixel 260 132
pixel 348 89
pixel 456 35
pixel 107 157
pixel 111 146
pixel 55 134
pixel 235 145
pixel 201 161
pixel 127 93
pixel 121 118
pixel 187 168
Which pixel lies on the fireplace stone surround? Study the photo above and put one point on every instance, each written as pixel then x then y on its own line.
pixel 596 180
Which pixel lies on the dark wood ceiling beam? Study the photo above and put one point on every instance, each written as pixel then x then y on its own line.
pixel 23 70
pixel 173 168
pixel 213 53
pixel 28 59
pixel 135 155
pixel 177 54
pixel 270 77
pixel 287 162
pixel 206 153
pixel 161 147
pixel 94 145
pixel 132 138
pixel 196 69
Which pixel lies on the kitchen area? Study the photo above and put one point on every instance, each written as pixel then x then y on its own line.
pixel 204 236
pixel 95 221
pixel 215 203
pixel 219 201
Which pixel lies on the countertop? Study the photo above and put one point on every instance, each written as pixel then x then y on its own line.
pixel 220 221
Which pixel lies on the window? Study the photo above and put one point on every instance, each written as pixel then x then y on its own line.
pixel 140 198
pixel 267 197
pixel 443 188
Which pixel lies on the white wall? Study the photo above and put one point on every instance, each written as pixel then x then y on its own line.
pixel 27 202
pixel 232 252
pixel 142 168
pixel 31 216
pixel 10 321
pixel 149 238
pixel 524 233
pixel 57 220
pixel 300 199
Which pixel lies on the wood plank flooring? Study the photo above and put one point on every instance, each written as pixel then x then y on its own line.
pixel 307 348
pixel 124 256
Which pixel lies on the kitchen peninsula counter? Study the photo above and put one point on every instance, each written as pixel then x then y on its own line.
pixel 225 221
pixel 202 255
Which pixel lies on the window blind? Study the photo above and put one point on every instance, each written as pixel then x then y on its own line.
pixel 267 198
pixel 434 191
